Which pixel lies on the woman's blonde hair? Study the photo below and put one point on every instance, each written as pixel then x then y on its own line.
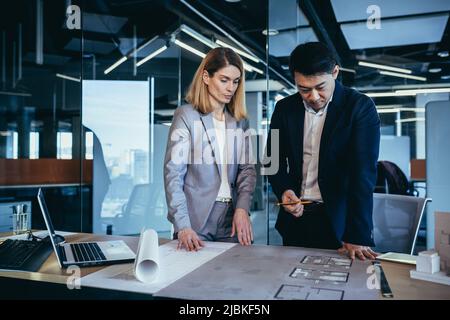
pixel 215 60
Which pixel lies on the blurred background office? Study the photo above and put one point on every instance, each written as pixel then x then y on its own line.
pixel 88 90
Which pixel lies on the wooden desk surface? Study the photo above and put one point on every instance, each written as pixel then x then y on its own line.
pixel 50 270
pixel 402 286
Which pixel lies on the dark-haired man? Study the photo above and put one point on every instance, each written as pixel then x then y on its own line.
pixel 328 151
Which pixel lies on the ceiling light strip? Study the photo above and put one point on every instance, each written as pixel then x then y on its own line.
pixel 428 90
pixel 189 48
pixel 115 65
pixel 194 34
pixel 383 67
pixel 151 55
pixel 407 92
pixel 387 94
pixel 143 46
pixel 392 110
pixel 402 75
pixel 347 70
pixel 240 52
pixel 63 76
pixel 289 82
pixel 410 120
pixel 202 55
pixel 215 25
pixel 252 68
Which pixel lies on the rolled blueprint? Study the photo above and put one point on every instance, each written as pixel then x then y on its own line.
pixel 146 266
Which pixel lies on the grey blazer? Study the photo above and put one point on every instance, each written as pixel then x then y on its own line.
pixel 191 169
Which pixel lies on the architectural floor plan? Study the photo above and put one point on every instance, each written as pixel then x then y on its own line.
pixel 277 273
pixel 291 292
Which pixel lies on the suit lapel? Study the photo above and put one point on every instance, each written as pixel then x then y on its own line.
pixel 334 112
pixel 208 126
pixel 297 124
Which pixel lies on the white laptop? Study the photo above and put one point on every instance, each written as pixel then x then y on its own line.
pixel 85 253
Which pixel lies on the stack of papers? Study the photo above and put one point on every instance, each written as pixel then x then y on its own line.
pixel 398 257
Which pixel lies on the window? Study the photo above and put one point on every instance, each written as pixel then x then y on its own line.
pixel 12 145
pixel 89 143
pixel 64 145
pixel 34 145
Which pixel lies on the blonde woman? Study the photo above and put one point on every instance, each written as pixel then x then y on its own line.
pixel 208 176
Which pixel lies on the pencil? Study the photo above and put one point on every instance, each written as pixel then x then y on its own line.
pixel 292 203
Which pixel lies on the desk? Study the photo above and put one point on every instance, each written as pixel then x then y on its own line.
pixel 50 281
pixel 52 277
pixel 405 288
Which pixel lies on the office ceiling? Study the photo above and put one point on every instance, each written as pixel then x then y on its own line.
pixel 389 9
pixel 414 34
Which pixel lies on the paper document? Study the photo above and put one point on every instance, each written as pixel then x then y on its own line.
pixel 398 257
pixel 147 257
pixel 261 272
pixel 173 265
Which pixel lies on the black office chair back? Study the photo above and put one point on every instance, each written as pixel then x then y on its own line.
pixel 391 179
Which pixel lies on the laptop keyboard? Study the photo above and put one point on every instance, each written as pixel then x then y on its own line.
pixel 87 252
pixel 15 253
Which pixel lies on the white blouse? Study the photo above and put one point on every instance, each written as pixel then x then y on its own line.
pixel 220 129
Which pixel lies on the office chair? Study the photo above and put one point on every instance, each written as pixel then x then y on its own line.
pixel 146 207
pixel 396 221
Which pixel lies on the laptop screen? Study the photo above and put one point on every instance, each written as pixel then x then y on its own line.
pixel 48 223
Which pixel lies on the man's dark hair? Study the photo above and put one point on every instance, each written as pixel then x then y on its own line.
pixel 312 58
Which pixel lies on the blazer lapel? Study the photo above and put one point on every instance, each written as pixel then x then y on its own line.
pixel 297 124
pixel 332 117
pixel 208 126
pixel 232 146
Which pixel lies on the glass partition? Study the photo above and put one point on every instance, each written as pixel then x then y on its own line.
pixel 139 59
pixel 88 92
pixel 40 114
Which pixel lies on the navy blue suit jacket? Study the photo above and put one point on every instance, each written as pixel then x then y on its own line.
pixel 348 157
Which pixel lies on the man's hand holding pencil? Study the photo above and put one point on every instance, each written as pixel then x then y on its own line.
pixel 292 204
